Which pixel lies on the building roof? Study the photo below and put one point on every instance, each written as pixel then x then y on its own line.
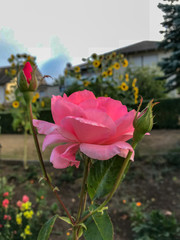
pixel 143 46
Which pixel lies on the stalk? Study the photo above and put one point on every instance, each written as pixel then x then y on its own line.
pixel 43 166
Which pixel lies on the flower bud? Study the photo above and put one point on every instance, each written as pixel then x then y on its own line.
pixel 143 121
pixel 27 80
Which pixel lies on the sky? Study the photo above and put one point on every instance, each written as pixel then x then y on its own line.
pixel 61 31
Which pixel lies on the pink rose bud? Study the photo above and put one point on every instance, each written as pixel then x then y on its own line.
pixel 19 203
pixel 27 80
pixel 25 198
pixel 143 121
pixel 6 194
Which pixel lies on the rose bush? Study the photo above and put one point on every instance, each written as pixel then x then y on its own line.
pixel 98 127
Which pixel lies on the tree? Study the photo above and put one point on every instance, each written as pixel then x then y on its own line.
pixel 171 43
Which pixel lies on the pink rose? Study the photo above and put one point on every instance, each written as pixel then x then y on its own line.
pixel 5 203
pixel 25 198
pixel 6 194
pixel 99 127
pixel 19 203
pixel 27 71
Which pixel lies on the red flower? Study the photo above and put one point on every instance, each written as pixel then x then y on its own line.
pixel 5 203
pixel 25 198
pixel 7 217
pixel 27 71
pixel 6 194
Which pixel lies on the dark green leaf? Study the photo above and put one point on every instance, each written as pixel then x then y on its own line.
pixel 102 177
pixel 99 227
pixel 47 229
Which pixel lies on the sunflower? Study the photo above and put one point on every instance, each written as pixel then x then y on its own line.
pixel 110 71
pixel 125 63
pixel 113 55
pixel 134 82
pixel 37 95
pixel 42 103
pixel 136 90
pixel 124 86
pixel 15 104
pixel 104 74
pixel 96 63
pixel 77 69
pixel 127 77
pixel 34 99
pixel 7 92
pixel 13 72
pixel 116 66
pixel 86 83
pixel 28 58
pixel 78 76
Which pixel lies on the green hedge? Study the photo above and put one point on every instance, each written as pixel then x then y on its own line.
pixel 167 116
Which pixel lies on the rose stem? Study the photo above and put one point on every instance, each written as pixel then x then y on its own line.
pixel 42 164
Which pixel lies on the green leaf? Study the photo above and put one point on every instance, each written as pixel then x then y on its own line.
pixel 47 229
pixel 99 227
pixel 102 177
pixel 66 219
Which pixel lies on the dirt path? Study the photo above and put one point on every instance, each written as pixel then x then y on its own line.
pixel 159 142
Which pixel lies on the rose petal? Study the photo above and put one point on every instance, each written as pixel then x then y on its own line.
pixel 85 130
pixel 61 108
pixel 105 152
pixel 63 156
pixel 80 96
pixel 44 127
pixel 114 108
pixel 53 138
pixel 27 71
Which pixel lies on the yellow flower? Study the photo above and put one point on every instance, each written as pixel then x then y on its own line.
pixel 19 218
pixel 136 90
pixel 6 97
pixel 116 66
pixel 27 230
pixel 113 55
pixel 77 69
pixel 28 58
pixel 6 71
pixel 37 95
pixel 125 63
pixel 13 72
pixel 26 206
pixel 127 77
pixel 110 71
pixel 34 99
pixel 42 103
pixel 104 74
pixel 96 63
pixel 68 233
pixel 23 235
pixel 105 95
pixel 86 83
pixel 15 104
pixel 7 92
pixel 78 76
pixel 28 214
pixel 124 86
pixel 12 56
pixel 134 82
pixel 13 65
